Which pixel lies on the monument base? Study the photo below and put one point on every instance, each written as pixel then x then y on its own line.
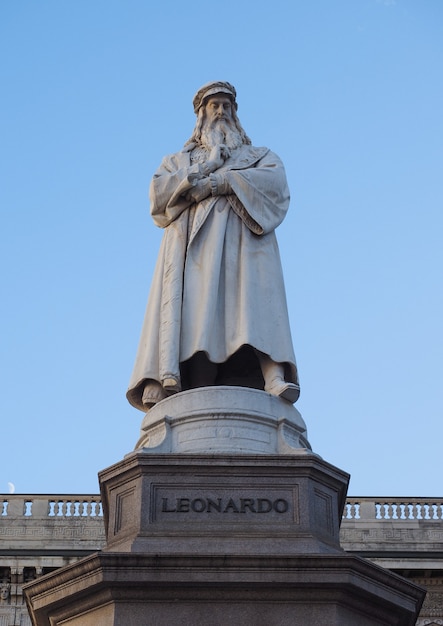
pixel 224 419
pixel 190 504
pixel 223 515
pixel 223 539
pixel 115 589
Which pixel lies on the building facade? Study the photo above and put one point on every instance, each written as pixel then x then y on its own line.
pixel 40 533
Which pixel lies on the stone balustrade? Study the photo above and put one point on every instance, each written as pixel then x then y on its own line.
pixel 373 509
pixel 62 524
pixel 44 506
pixel 398 533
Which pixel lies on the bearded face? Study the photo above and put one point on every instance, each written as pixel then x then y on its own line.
pixel 217 123
pixel 218 132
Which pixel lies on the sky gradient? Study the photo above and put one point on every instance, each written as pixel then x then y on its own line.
pixel 349 93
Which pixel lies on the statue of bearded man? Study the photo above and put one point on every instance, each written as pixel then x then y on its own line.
pixel 217 311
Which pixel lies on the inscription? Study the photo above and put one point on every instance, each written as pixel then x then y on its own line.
pixel 215 504
pixel 224 505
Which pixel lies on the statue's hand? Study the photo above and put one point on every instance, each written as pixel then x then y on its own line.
pixel 217 157
pixel 200 191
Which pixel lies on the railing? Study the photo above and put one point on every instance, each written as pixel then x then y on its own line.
pixel 396 509
pixel 46 506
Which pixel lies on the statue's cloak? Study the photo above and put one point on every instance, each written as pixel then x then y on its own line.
pixel 218 283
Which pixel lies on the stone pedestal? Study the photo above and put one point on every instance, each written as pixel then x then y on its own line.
pixel 223 505
pixel 230 420
pixel 125 589
pixel 248 535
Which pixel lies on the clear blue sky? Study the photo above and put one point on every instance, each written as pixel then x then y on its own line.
pixel 348 92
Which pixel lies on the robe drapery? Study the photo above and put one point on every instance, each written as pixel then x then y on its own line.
pixel 218 282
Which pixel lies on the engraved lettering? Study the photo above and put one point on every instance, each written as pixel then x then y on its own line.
pixel 165 506
pixel 231 506
pixel 217 506
pixel 220 505
pixel 280 505
pixel 264 505
pixel 198 505
pixel 247 503
pixel 183 505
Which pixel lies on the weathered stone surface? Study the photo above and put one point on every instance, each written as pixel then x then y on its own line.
pixel 220 504
pixel 49 537
pixel 220 539
pixel 132 590
pixel 224 419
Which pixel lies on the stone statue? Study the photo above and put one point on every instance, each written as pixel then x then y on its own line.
pixel 217 311
pixel 5 590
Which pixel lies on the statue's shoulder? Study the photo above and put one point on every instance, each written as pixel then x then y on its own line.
pixel 268 156
pixel 248 156
pixel 253 152
pixel 176 160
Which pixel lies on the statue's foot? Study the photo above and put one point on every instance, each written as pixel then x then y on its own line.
pixel 171 385
pixel 152 394
pixel 282 389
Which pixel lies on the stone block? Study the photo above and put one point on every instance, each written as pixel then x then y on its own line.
pixel 115 589
pixel 221 504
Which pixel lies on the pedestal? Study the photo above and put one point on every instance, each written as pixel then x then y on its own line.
pixel 245 537
pixel 223 505
pixel 225 419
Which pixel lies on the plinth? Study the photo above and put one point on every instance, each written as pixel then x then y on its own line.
pixel 248 534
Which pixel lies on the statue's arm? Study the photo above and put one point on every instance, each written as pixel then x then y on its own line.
pixel 258 194
pixel 168 192
pixel 175 187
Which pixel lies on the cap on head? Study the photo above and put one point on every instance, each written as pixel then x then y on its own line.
pixel 210 89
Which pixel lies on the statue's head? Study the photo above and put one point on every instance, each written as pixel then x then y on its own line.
pixel 212 89
pixel 4 591
pixel 215 127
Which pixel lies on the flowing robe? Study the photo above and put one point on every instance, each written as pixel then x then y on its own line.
pixel 218 283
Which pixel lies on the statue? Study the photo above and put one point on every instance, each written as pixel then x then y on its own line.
pixel 5 590
pixel 216 313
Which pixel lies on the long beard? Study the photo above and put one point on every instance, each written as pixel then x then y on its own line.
pixel 220 132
